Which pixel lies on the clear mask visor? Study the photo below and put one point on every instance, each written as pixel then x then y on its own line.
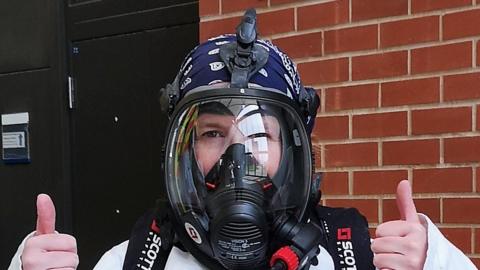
pixel 230 143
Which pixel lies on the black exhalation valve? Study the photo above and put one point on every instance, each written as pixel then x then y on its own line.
pixel 303 248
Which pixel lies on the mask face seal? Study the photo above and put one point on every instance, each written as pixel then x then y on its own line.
pixel 235 167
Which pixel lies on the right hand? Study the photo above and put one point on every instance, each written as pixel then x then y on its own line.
pixel 48 249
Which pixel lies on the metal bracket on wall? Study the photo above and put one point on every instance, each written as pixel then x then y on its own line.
pixel 71 92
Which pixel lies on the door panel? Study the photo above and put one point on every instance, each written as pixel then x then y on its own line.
pixel 117 131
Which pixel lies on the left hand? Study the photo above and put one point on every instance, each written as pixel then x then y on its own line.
pixel 401 244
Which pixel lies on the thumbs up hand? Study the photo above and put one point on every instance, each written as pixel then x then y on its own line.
pixel 401 244
pixel 48 249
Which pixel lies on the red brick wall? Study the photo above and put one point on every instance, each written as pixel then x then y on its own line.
pixel 400 87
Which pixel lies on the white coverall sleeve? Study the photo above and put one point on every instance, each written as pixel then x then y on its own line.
pixel 441 254
pixel 16 263
pixel 113 259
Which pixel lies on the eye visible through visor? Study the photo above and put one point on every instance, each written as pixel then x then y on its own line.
pixel 250 126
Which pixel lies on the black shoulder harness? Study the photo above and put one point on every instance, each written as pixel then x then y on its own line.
pixel 346 239
pixel 150 241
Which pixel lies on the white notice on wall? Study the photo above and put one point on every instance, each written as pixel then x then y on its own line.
pixel 13 140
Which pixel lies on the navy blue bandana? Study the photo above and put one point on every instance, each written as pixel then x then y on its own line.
pixel 203 66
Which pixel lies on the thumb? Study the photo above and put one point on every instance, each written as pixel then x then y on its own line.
pixel 405 204
pixel 45 215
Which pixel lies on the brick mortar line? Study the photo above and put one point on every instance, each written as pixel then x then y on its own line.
pixel 409 8
pixel 350 15
pixel 409 122
pixel 442 88
pixel 323 43
pixel 474 117
pixel 322 156
pixel 474 53
pixel 441 210
pixel 401 138
pixel 295 20
pixel 401 108
pixel 409 62
pixel 350 68
pixel 379 93
pixel 350 126
pixel 393 196
pixel 441 151
pixel 380 153
pixel 350 182
pixel 220 8
pixel 472 235
pixel 380 211
pixel 400 167
pixel 322 201
pixel 461 71
pixel 293 33
pixel 440 28
pixel 378 37
pixel 473 227
pixel 370 52
pixel 409 131
pixel 475 179
pixel 323 98
pixel 405 77
pixel 410 179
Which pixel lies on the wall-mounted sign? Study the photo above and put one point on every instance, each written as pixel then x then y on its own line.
pixel 15 143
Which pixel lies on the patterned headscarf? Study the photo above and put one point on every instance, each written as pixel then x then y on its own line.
pixel 203 66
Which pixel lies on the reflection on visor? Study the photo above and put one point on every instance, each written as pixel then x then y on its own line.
pixel 261 132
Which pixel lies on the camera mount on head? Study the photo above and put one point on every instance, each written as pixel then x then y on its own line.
pixel 244 58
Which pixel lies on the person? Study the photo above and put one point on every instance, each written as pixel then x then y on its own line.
pixel 242 192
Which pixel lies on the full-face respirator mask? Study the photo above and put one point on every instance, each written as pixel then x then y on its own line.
pixel 238 158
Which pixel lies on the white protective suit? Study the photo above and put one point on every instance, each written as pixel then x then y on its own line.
pixel 441 255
